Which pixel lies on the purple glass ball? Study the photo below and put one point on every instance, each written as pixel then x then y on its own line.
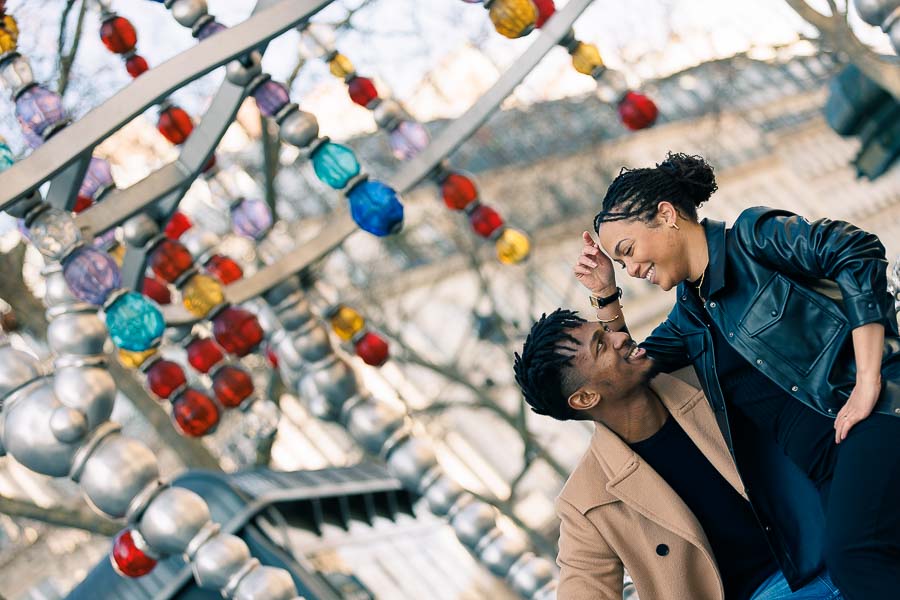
pixel 271 97
pixel 98 176
pixel 37 109
pixel 251 218
pixel 408 139
pixel 91 274
pixel 211 28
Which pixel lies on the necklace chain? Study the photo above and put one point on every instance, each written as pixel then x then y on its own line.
pixel 700 286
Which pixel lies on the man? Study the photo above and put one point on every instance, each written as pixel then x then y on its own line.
pixel 657 493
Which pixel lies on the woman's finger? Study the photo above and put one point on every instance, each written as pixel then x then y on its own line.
pixel 587 262
pixel 590 250
pixel 579 270
pixel 588 240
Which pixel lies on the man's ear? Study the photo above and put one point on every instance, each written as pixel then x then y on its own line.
pixel 583 399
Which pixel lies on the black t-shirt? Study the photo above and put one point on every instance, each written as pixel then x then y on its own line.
pixel 738 544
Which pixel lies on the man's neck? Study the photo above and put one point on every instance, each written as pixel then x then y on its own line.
pixel 637 416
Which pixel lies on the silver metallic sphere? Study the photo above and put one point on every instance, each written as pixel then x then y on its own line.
pixel 443 494
pixel 27 434
pixel 242 71
pixel 218 559
pixel 474 521
pixel 372 422
pixel 199 242
pixel 20 208
pixel 278 293
pixel 57 290
pixel 89 389
pixel 411 461
pixel 139 229
pixel 266 583
pixel 893 32
pixel 388 114
pixel 327 386
pixel 500 550
pixel 68 424
pixel 530 573
pixel 172 520
pixel 312 342
pixel 548 592
pixel 116 471
pixel 186 12
pixel 81 333
pixel 294 311
pixel 288 357
pixel 299 128
pixel 16 368
pixel 16 73
pixel 874 12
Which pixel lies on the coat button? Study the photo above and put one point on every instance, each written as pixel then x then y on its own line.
pixel 730 334
pixel 662 550
pixel 774 313
pixel 794 388
pixel 712 304
pixel 684 298
pixel 759 361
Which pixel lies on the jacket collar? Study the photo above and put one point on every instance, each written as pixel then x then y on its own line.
pixel 715 241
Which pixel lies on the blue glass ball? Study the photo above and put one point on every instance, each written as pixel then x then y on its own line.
pixel 375 207
pixel 91 274
pixel 335 164
pixel 6 157
pixel 134 322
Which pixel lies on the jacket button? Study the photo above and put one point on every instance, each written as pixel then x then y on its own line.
pixel 662 550
pixel 794 388
pixel 830 411
pixel 730 334
pixel 871 305
pixel 684 298
pixel 712 304
pixel 774 313
pixel 759 361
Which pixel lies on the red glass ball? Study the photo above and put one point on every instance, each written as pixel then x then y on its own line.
pixel 178 224
pixel 232 385
pixel 545 9
pixel 485 220
pixel 156 290
pixel 372 349
pixel 272 357
pixel 82 203
pixel 118 35
pixel 127 558
pixel 136 65
pixel 164 377
pixel 637 111
pixel 195 413
pixel 203 354
pixel 237 330
pixel 175 124
pixel 362 90
pixel 224 268
pixel 170 259
pixel 458 191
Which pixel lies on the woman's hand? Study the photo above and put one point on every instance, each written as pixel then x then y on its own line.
pixel 859 406
pixel 594 269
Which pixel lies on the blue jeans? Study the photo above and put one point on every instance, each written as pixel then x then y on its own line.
pixel 776 588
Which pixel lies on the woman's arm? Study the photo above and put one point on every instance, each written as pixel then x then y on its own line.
pixel 868 345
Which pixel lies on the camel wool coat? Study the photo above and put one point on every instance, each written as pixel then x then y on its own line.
pixel 616 512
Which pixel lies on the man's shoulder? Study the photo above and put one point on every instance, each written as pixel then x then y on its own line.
pixel 586 486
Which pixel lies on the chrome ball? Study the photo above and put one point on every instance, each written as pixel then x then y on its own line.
pixel 68 424
pixel 442 495
pixel 172 520
pixel 288 356
pixel 371 423
pixel 89 389
pixel 278 293
pixel 500 550
pixel 874 12
pixel 16 369
pixel 530 573
pixel 312 342
pixel 299 128
pixel 186 12
pixel 474 521
pixel 266 583
pixel 327 386
pixel 27 433
pixel 116 471
pixel 199 242
pixel 57 290
pixel 388 114
pixel 242 71
pixel 294 312
pixel 548 592
pixel 140 229
pixel 411 461
pixel 16 73
pixel 218 559
pixel 80 332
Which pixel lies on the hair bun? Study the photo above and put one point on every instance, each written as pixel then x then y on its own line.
pixel 693 174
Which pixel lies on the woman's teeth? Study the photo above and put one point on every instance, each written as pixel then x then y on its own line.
pixel 650 273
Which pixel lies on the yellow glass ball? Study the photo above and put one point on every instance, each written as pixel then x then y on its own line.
pixel 7 41
pixel 513 246
pixel 346 323
pixel 340 66
pixel 201 294
pixel 513 18
pixel 133 360
pixel 118 253
pixel 586 58
pixel 10 25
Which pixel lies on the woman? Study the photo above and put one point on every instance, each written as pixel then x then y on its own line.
pixel 793 336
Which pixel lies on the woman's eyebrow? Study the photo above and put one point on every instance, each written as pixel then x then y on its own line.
pixel 619 243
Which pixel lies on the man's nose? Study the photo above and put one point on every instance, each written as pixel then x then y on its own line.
pixel 619 339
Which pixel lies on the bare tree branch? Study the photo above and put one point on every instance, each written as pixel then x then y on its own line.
pixel 77 518
pixel 66 59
